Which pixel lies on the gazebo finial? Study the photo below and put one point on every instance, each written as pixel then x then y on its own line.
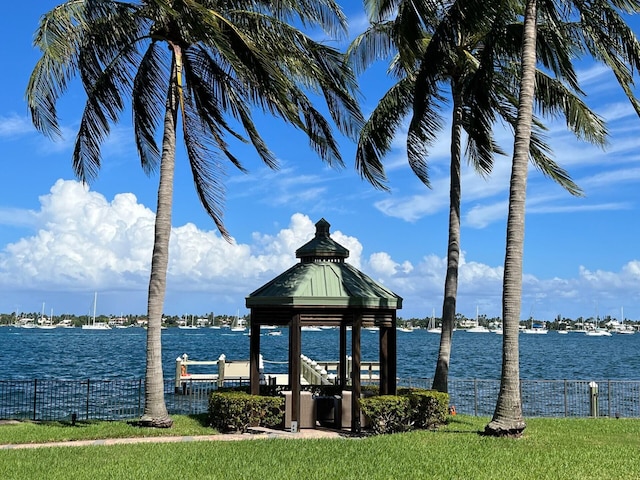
pixel 322 248
pixel 322 228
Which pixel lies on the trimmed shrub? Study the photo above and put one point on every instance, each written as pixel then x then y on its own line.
pixel 238 411
pixel 387 413
pixel 429 408
pixel 412 408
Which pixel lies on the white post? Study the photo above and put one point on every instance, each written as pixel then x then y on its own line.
pixel 221 361
pixel 593 399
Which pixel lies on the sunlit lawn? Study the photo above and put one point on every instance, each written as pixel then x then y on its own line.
pixel 549 449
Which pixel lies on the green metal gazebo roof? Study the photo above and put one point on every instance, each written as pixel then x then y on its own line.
pixel 323 278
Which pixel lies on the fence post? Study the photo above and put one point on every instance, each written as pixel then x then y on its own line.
pixel 593 399
pixel 35 397
pixel 475 396
pixel 566 399
pixel 609 397
pixel 88 397
pixel 139 397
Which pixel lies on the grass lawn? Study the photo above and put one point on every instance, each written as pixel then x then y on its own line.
pixel 550 449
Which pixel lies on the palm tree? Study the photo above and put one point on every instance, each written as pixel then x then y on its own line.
pixel 602 33
pixel 203 64
pixel 438 46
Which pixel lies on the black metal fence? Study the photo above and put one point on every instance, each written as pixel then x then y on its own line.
pixel 545 398
pixel 124 399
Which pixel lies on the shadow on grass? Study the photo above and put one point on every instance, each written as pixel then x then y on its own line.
pixel 201 418
pixel 462 425
pixel 62 423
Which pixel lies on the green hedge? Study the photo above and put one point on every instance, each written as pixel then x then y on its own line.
pixel 387 413
pixel 238 411
pixel 410 409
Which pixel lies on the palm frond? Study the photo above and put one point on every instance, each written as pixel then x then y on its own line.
pixel 379 132
pixel 149 91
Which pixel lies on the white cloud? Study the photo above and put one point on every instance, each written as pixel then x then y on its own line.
pixel 14 126
pixel 82 242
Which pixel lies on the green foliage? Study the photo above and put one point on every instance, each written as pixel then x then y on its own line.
pixel 238 411
pixel 410 409
pixel 387 413
pixel 429 407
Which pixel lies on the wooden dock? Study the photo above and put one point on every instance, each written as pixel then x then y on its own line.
pixel 233 372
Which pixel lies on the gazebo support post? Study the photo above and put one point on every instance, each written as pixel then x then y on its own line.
pixel 356 374
pixel 254 358
pixel 342 379
pixel 294 369
pixel 392 359
pixel 384 359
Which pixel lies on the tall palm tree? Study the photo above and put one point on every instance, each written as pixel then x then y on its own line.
pixel 201 64
pixel 437 46
pixel 592 28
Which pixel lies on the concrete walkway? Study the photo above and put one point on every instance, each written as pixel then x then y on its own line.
pixel 254 434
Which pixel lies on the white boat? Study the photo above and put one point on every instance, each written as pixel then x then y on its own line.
pixel 624 331
pixel 619 327
pixel 95 325
pixel 538 328
pixel 405 329
pixel 310 328
pixel 46 323
pixel 535 331
pixel 431 327
pixel 598 332
pixel 238 324
pixel 477 328
pixel 275 333
pixel 186 325
pixel 65 323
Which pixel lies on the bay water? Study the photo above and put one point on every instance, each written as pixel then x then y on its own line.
pixel 72 354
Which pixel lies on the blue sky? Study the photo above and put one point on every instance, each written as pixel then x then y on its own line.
pixel 60 242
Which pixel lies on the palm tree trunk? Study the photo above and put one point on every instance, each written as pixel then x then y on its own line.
pixel 441 376
pixel 155 409
pixel 507 418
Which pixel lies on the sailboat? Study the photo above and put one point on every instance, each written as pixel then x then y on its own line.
pixel 477 328
pixel 238 325
pixel 621 328
pixel 186 326
pixel 44 323
pixel 536 329
pixel 431 327
pixel 93 325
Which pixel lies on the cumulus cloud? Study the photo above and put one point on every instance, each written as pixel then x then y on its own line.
pixel 83 242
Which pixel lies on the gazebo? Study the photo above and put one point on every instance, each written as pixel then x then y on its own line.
pixel 324 290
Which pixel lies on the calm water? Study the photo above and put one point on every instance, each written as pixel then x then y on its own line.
pixel 120 353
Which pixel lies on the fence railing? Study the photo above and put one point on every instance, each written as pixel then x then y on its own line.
pixel 545 398
pixel 124 399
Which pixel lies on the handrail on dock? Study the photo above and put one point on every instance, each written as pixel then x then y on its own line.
pixel 312 372
pixel 327 372
pixel 228 370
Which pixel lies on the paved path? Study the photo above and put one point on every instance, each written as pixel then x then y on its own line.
pixel 255 434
